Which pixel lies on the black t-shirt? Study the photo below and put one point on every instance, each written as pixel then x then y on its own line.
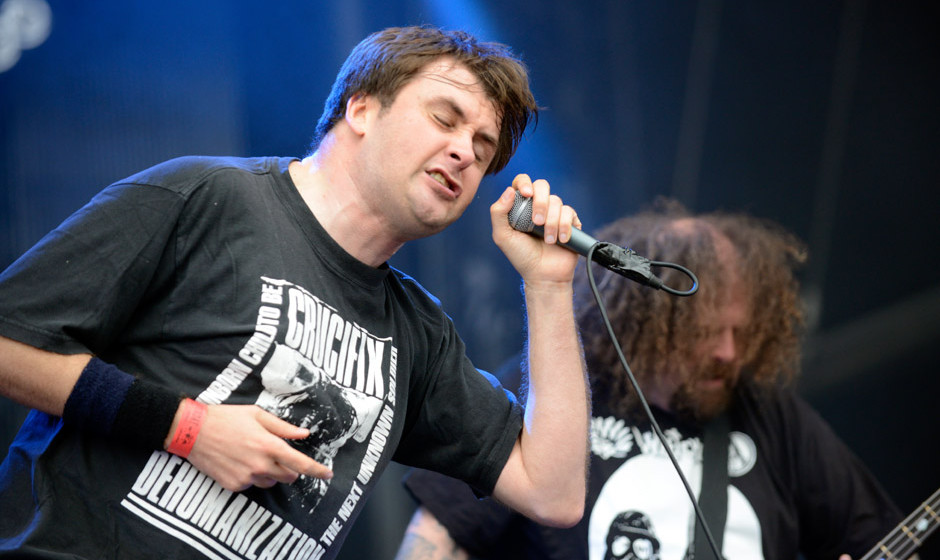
pixel 211 276
pixel 794 488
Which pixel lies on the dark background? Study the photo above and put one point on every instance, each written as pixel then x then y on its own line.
pixel 820 115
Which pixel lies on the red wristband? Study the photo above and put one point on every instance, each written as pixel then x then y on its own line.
pixel 191 419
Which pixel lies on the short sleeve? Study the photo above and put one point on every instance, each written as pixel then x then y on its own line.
pixel 465 423
pixel 75 289
pixel 841 507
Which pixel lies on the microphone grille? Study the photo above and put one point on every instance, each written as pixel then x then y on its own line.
pixel 520 217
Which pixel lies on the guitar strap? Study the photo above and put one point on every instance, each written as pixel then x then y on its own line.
pixel 713 498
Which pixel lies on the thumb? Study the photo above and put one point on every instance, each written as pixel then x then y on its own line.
pixel 499 210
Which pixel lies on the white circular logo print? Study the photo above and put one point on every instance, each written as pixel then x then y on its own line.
pixel 742 454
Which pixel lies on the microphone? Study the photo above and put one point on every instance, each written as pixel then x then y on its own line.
pixel 618 259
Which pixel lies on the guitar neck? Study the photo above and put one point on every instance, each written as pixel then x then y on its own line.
pixel 906 538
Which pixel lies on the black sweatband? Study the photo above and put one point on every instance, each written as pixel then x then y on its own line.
pixel 110 402
pixel 94 401
pixel 147 413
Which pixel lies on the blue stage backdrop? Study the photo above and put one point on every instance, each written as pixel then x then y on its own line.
pixel 820 115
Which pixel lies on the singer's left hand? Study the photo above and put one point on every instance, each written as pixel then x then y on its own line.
pixel 536 260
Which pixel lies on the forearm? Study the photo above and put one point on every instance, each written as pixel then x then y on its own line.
pixel 426 539
pixel 238 446
pixel 552 450
pixel 36 378
pixel 88 394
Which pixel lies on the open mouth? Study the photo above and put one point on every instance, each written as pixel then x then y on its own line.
pixel 440 178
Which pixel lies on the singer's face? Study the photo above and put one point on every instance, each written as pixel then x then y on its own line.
pixel 426 153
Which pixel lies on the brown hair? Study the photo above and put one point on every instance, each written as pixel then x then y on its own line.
pixel 658 331
pixel 385 61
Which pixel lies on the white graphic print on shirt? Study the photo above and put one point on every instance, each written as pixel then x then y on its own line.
pixel 643 511
pixel 319 371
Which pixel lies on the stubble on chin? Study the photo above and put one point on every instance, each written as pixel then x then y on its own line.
pixel 692 403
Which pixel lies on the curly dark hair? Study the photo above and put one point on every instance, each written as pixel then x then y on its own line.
pixel 658 331
pixel 387 60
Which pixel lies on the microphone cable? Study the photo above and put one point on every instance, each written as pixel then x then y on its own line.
pixel 638 269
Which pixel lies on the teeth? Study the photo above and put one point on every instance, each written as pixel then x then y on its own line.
pixel 437 176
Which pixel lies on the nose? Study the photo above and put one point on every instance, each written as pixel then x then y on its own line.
pixel 461 149
pixel 725 349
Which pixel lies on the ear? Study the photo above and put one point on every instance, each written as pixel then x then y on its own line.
pixel 358 112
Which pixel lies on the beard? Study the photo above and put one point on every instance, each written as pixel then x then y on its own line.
pixel 693 402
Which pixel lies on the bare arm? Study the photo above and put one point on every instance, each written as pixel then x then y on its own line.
pixel 36 378
pixel 238 446
pixel 426 539
pixel 545 477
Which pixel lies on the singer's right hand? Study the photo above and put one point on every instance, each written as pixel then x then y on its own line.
pixel 240 446
pixel 536 260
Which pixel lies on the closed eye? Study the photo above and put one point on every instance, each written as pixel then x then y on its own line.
pixel 446 123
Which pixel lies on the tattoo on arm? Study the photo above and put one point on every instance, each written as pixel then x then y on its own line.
pixel 416 547
pixel 427 539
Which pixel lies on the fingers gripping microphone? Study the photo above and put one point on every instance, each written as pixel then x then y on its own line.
pixel 615 258
pixel 520 218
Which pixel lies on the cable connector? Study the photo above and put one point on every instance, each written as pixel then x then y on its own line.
pixel 627 263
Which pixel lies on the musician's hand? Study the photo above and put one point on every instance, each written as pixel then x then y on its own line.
pixel 536 261
pixel 240 446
